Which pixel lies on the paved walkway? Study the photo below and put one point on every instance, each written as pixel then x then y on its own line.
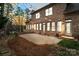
pixel 40 39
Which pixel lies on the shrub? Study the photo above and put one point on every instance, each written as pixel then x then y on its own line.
pixel 69 43
pixel 3 21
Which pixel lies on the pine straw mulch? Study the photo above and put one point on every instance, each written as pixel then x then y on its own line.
pixel 23 47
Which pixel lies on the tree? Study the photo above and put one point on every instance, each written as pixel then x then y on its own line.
pixel 3 21
pixel 19 12
pixel 27 12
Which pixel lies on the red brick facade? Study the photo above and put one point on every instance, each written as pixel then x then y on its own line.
pixel 58 15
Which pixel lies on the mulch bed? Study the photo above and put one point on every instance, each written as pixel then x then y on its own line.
pixel 23 47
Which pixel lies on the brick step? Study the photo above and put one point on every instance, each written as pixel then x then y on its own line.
pixel 69 37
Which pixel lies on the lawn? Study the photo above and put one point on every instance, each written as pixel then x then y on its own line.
pixel 68 43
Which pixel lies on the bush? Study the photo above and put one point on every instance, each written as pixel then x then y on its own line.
pixel 3 21
pixel 69 43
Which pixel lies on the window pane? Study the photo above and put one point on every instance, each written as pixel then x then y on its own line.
pixel 37 26
pixel 53 26
pixel 48 26
pixel 34 26
pixel 50 11
pixel 40 26
pixel 68 29
pixel 59 26
pixel 43 26
pixel 46 12
pixel 37 15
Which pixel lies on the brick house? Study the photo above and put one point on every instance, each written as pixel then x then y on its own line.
pixel 55 19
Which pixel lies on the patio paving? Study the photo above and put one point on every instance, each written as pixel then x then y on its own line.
pixel 40 39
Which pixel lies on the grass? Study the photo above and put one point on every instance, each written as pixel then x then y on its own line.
pixel 69 44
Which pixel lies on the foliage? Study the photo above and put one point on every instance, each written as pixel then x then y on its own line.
pixel 69 43
pixel 62 51
pixel 3 21
pixel 19 12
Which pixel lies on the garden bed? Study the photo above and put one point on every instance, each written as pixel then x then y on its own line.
pixel 23 47
pixel 69 43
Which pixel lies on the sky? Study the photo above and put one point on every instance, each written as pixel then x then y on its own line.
pixel 34 6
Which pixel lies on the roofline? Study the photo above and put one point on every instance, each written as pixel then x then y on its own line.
pixel 42 8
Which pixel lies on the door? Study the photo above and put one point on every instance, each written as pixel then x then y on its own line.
pixel 68 28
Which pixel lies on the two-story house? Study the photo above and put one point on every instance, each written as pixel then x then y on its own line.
pixel 54 19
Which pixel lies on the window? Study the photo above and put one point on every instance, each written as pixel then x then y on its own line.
pixel 40 26
pixel 43 26
pixel 59 26
pixel 48 11
pixel 48 26
pixel 37 26
pixel 53 26
pixel 37 15
pixel 34 26
pixel 68 27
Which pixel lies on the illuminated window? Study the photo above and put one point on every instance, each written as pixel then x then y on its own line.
pixel 34 26
pixel 48 26
pixel 40 26
pixel 49 11
pixel 43 26
pixel 53 26
pixel 37 26
pixel 59 26
pixel 37 15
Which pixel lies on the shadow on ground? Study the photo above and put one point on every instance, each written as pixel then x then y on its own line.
pixel 22 47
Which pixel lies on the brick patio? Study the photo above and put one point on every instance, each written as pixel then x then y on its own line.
pixel 40 39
